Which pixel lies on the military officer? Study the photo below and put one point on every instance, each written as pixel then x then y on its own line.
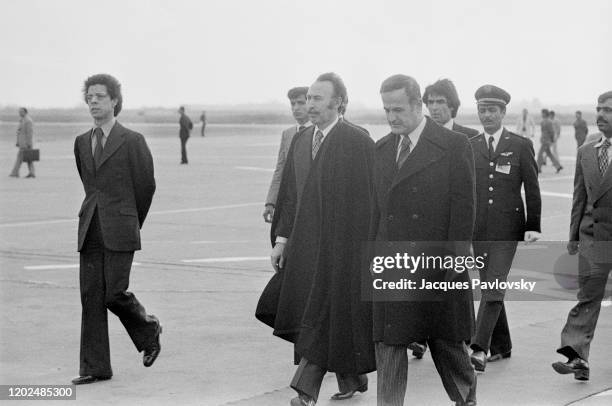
pixel 505 162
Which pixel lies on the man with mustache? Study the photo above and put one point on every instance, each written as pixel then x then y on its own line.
pixel 504 165
pixel 591 237
pixel 318 233
pixel 116 169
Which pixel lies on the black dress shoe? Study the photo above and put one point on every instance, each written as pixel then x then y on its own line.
pixel 151 353
pixel 500 356
pixel 479 360
pixel 349 394
pixel 418 349
pixel 576 366
pixel 83 380
pixel 559 169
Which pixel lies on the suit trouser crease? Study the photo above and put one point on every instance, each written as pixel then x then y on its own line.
pixel 579 329
pixel 104 279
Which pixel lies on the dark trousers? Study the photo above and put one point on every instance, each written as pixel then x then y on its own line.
pixel 579 329
pixel 308 378
pixel 452 363
pixel 492 332
pixel 19 161
pixel 104 278
pixel 545 149
pixel 184 149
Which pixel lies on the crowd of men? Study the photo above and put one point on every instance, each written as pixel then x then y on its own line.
pixel 429 179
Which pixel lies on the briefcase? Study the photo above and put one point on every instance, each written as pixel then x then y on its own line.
pixel 30 155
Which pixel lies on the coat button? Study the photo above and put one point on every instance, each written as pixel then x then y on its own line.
pixel 413 244
pixel 490 176
pixel 485 254
pixel 390 217
pixel 415 216
pixel 490 188
pixel 490 201
pixel 414 189
pixel 491 163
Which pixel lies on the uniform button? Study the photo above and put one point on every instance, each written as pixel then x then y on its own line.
pixel 491 163
pixel 490 176
pixel 390 217
pixel 490 188
pixel 485 254
pixel 413 244
pixel 415 216
pixel 490 201
pixel 414 189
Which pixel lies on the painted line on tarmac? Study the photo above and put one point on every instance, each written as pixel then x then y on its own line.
pixel 224 259
pixel 196 209
pixel 555 194
pixel 556 178
pixel 254 168
pixel 59 266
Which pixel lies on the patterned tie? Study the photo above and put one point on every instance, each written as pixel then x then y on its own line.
pixel 99 148
pixel 491 149
pixel 317 143
pixel 602 157
pixel 404 148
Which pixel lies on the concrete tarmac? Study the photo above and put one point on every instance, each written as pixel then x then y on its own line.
pixel 203 265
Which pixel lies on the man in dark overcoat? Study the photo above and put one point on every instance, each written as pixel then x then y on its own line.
pixel 319 232
pixel 424 192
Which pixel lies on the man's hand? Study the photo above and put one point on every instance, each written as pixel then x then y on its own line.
pixel 277 258
pixel 532 236
pixel 572 247
pixel 268 213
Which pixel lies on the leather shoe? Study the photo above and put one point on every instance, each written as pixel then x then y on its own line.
pixel 559 169
pixel 151 353
pixel 302 400
pixel 500 356
pixel 576 366
pixel 83 380
pixel 479 360
pixel 418 349
pixel 349 394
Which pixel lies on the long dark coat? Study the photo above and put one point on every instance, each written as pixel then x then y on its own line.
pixel 431 198
pixel 320 307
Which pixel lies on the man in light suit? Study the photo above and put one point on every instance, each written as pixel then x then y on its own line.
pixel 443 103
pixel 116 169
pixel 297 99
pixel 505 164
pixel 424 192
pixel 25 135
pixel 591 237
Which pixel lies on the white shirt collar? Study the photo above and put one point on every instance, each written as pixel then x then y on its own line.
pixel 600 142
pixel 327 129
pixel 496 136
pixel 414 134
pixel 306 125
pixel 106 127
pixel 449 124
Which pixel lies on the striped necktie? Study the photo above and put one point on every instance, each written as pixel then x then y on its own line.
pixel 404 151
pixel 602 157
pixel 317 143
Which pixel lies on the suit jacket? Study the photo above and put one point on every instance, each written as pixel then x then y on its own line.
pixel 25 132
pixel 120 188
pixel 500 214
pixel 470 132
pixel 591 220
pixel 286 139
pixel 186 126
pixel 431 198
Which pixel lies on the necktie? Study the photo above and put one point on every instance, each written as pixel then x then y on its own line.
pixel 491 149
pixel 317 143
pixel 404 151
pixel 98 149
pixel 300 128
pixel 602 157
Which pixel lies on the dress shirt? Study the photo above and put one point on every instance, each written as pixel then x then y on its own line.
pixel 305 125
pixel 496 137
pixel 106 129
pixel 449 124
pixel 413 136
pixel 598 145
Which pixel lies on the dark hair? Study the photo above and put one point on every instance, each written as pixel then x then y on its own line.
pixel 446 88
pixel 337 83
pixel 409 84
pixel 545 112
pixel 578 112
pixel 604 96
pixel 24 109
pixel 296 92
pixel 182 108
pixel 113 87
pixel 552 113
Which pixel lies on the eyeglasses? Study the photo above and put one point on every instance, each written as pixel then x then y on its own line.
pixel 98 96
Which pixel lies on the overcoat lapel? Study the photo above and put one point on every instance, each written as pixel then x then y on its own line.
pixel 388 161
pixel 114 141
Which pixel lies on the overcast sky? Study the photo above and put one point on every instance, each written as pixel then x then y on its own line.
pixel 167 53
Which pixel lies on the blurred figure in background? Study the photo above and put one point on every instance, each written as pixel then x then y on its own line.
pixel 546 140
pixel 186 127
pixel 25 134
pixel 203 120
pixel 557 128
pixel 525 126
pixel 581 129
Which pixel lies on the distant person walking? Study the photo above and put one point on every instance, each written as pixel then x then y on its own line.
pixel 525 126
pixel 581 129
pixel 25 135
pixel 557 128
pixel 546 140
pixel 203 120
pixel 186 127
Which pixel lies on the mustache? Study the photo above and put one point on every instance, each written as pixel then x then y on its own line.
pixel 602 121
